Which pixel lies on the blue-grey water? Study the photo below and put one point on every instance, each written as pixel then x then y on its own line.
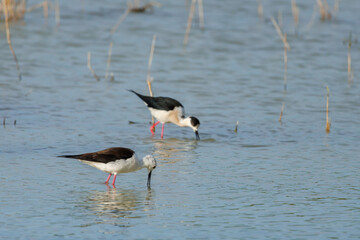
pixel 267 181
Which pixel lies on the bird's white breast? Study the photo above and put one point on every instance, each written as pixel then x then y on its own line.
pixel 117 166
pixel 172 116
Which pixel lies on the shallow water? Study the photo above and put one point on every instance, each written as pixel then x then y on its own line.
pixel 267 181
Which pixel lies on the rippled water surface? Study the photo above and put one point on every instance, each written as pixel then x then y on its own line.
pixel 267 181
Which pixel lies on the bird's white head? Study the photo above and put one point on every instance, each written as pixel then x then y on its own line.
pixel 150 164
pixel 194 123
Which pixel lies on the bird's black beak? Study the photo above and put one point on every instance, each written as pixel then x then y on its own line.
pixel 149 179
pixel 197 135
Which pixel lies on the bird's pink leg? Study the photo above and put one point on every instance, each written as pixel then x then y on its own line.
pixel 162 131
pixel 153 126
pixel 107 180
pixel 114 180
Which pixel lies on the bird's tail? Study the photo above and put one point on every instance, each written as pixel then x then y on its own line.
pixel 69 156
pixel 139 95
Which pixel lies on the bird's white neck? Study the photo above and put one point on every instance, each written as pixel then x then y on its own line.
pixel 185 122
pixel 147 162
pixel 141 164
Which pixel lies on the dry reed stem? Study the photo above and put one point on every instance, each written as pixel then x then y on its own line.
pixel 349 55
pixel 46 9
pixel 90 68
pixel 148 77
pixel 350 77
pixel 324 10
pixel 321 9
pixel 10 6
pixel 191 14
pixel 57 13
pixel 336 6
pixel 278 30
pixel 327 128
pixel 44 5
pixel 349 59
pixel 236 127
pixel 29 92
pixel 108 61
pixel 36 6
pixel 328 13
pixel 201 14
pixel 295 12
pixel 286 48
pixel 16 9
pixel 113 30
pixel 5 9
pixel 281 113
pixel 260 9
pixel 285 63
pixel 311 22
pixel 156 4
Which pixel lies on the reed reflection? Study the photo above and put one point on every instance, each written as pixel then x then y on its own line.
pixel 173 150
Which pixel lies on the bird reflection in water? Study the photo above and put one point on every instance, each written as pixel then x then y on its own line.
pixel 120 203
pixel 173 150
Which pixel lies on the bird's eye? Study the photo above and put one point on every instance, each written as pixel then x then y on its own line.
pixel 154 167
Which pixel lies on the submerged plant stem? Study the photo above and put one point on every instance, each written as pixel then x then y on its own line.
pixel 327 128
pixel 281 113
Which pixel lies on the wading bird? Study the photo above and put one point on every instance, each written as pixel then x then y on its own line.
pixel 116 160
pixel 166 110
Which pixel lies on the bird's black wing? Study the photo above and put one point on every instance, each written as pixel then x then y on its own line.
pixel 161 103
pixel 104 156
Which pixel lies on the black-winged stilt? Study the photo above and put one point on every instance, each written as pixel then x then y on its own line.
pixel 116 160
pixel 165 110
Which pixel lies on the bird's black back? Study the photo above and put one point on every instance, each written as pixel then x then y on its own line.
pixel 104 156
pixel 160 103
